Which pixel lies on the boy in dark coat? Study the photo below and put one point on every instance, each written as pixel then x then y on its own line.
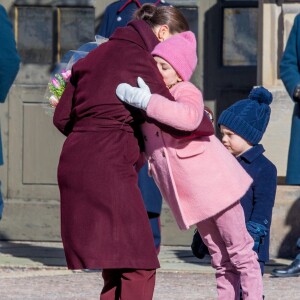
pixel 242 126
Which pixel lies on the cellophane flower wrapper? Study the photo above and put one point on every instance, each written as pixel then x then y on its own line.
pixel 62 73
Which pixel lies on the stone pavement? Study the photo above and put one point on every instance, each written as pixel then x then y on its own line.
pixel 36 271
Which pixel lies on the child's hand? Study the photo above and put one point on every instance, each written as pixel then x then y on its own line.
pixel 136 96
pixel 258 233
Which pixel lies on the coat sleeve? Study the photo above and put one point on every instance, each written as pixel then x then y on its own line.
pixel 185 113
pixel 146 68
pixel 62 115
pixel 9 58
pixel 290 64
pixel 264 191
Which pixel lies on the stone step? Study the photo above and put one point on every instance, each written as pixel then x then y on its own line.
pixel 36 220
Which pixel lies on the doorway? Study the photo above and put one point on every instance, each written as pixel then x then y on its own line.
pixel 230 52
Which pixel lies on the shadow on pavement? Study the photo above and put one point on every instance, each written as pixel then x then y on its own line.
pixel 188 257
pixel 48 254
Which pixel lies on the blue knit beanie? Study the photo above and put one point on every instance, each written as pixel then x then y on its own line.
pixel 249 118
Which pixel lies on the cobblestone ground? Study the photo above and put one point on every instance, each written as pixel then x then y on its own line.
pixel 60 284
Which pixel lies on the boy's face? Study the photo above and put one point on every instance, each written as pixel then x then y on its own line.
pixel 235 144
pixel 168 73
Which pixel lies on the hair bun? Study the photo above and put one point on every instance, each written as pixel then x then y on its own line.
pixel 261 94
pixel 146 12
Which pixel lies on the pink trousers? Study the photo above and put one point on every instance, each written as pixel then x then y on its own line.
pixel 230 247
pixel 128 284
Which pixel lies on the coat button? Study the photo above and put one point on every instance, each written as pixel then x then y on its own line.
pixel 145 138
pixel 163 153
pixel 157 133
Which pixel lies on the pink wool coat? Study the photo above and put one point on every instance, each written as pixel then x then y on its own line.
pixel 197 177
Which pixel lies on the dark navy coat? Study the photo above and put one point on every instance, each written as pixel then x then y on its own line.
pixel 9 59
pixel 118 14
pixel 259 200
pixel 9 67
pixel 290 75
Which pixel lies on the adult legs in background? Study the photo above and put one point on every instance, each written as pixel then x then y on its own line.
pixel 156 231
pixel 153 203
pixel 293 166
pixel 230 247
pixel 291 270
pixel 128 284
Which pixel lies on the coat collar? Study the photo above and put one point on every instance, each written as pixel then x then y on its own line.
pixel 138 32
pixel 252 153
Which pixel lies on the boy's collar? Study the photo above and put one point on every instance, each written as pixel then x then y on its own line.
pixel 251 154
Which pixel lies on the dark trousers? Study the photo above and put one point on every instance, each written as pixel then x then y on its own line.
pixel 128 284
pixel 155 227
pixel 1 203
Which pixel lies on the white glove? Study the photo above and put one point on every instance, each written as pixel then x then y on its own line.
pixel 136 96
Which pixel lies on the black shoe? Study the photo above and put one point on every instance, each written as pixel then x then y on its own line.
pixel 292 270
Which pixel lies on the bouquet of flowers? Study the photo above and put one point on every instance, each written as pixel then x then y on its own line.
pixel 62 73
pixel 57 86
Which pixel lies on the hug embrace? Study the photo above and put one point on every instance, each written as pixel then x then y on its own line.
pixel 108 121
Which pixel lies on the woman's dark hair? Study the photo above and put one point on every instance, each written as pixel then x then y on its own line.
pixel 162 15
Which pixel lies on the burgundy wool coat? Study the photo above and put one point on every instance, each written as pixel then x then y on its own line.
pixel 104 223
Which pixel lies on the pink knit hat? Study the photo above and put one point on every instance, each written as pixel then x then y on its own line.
pixel 180 52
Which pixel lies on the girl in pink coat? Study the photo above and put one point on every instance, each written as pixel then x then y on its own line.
pixel 200 180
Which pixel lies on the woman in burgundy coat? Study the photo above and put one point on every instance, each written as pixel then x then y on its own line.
pixel 104 224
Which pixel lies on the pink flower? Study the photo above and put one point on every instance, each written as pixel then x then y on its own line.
pixel 53 101
pixel 56 83
pixel 66 75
